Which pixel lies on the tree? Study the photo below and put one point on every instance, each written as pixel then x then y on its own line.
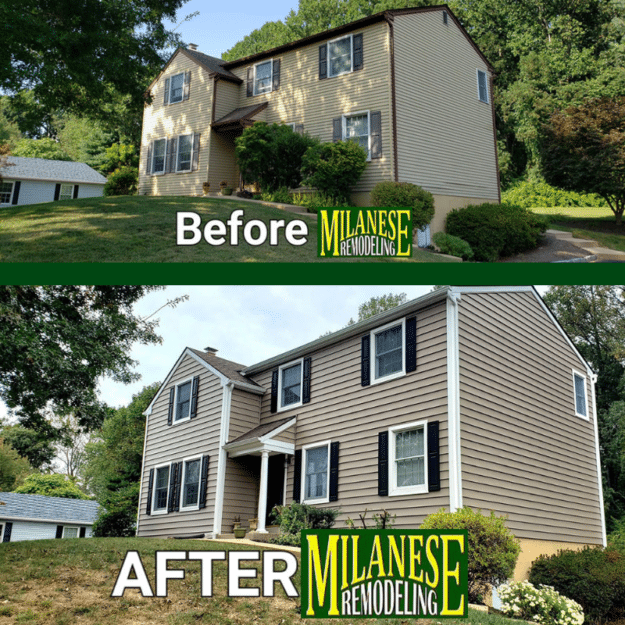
pixel 52 485
pixel 376 305
pixel 5 150
pixel 36 446
pixel 13 468
pixel 583 150
pixel 40 148
pixel 57 341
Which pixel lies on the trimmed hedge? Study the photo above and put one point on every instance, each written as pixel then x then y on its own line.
pixel 449 244
pixel 540 194
pixel 405 195
pixel 496 230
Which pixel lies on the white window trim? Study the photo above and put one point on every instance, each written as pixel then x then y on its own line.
pixel 395 490
pixel 344 128
pixel 305 449
pixel 195 506
pixel 351 55
pixel 171 88
pixel 159 173
pixel 71 193
pixel 12 183
pixel 255 92
pixel 372 355
pixel 583 377
pixel 165 509
pixel 192 135
pixel 280 369
pixel 478 71
pixel 175 421
pixel 70 527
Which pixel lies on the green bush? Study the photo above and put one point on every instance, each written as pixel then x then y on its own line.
pixel 122 181
pixel 405 195
pixel 449 244
pixel 542 605
pixel 295 517
pixel 616 538
pixel 118 522
pixel 280 195
pixel 314 201
pixel 540 194
pixel 496 230
pixel 492 550
pixel 333 168
pixel 594 577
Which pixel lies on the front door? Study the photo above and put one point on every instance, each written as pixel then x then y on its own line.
pixel 275 485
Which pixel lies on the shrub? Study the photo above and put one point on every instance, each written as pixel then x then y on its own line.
pixel 281 195
pixel 117 522
pixel 295 517
pixel 333 168
pixel 122 181
pixel 492 549
pixel 542 605
pixel 540 194
pixel 449 244
pixel 594 577
pixel 405 195
pixel 496 230
pixel 616 538
pixel 314 201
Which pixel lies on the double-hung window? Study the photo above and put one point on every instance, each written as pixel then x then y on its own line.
pixel 315 469
pixel 482 86
pixel 290 384
pixel 263 77
pixel 161 489
pixel 356 128
pixel 340 56
pixel 158 157
pixel 176 88
pixel 67 192
pixel 6 192
pixel 70 532
pixel 191 483
pixel 387 347
pixel 407 459
pixel 581 402
pixel 185 150
pixel 183 401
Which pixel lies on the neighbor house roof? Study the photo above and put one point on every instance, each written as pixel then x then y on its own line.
pixel 19 507
pixel 23 168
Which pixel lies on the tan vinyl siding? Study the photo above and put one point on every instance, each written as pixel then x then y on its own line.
pixel 342 410
pixel 165 443
pixel 241 491
pixel 304 99
pixel 524 452
pixel 182 118
pixel 244 413
pixel 444 133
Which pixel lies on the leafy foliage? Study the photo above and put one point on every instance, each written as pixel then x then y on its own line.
pixel 40 148
pixel 593 577
pixel 295 517
pixel 376 305
pixel 492 549
pixel 272 155
pixel 122 181
pixel 13 467
pixel 405 194
pixel 530 194
pixel 496 230
pixel 281 195
pixel 120 155
pixel 449 244
pixel 36 446
pixel 583 149
pixel 51 485
pixel 333 168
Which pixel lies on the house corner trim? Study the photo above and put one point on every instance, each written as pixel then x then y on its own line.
pixel 593 380
pixel 453 402
pixel 226 403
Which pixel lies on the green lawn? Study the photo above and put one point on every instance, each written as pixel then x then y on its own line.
pixel 62 582
pixel 143 229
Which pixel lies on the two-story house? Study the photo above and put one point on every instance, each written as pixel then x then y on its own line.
pixel 409 85
pixel 466 396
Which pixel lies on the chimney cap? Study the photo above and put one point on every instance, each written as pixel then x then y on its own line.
pixel 192 46
pixel 210 350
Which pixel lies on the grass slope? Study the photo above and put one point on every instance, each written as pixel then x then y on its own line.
pixel 143 229
pixel 58 582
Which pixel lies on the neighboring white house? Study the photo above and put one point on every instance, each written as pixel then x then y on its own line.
pixel 33 517
pixel 37 180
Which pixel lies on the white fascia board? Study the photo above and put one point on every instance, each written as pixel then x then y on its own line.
pixel 593 380
pixel 279 430
pixel 256 447
pixel 258 390
pixel 226 403
pixel 145 441
pixel 36 520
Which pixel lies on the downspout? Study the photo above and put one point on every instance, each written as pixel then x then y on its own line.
pixel 389 20
pixel 226 403
pixel 145 440
pixel 453 403
pixel 593 380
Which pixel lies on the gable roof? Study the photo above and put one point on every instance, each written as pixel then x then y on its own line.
pixel 23 168
pixel 240 117
pixel 16 507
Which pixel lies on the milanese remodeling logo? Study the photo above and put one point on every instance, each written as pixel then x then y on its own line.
pixel 361 232
pixel 384 573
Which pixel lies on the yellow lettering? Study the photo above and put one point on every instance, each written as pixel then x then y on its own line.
pixel 415 556
pixel 403 232
pixel 360 223
pixel 382 223
pixel 344 540
pixel 433 582
pixel 321 580
pixel 447 574
pixel 355 578
pixel 329 232
pixel 393 554
pixel 379 561
pixel 372 225
pixel 391 223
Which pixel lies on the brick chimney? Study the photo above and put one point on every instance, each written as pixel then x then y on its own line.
pixel 210 350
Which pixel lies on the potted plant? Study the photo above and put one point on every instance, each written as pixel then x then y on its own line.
pixel 223 183
pixel 226 191
pixel 206 187
pixel 239 532
pixel 237 521
pixel 253 524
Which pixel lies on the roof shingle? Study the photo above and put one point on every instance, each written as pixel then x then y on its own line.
pixel 23 168
pixel 16 506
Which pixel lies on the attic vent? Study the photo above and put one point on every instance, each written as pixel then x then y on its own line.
pixel 444 17
pixel 192 46
pixel 210 350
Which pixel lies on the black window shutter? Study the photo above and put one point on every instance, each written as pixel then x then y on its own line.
pixel 334 471
pixel 194 393
pixel 82 533
pixel 177 489
pixel 59 531
pixel 171 497
pixel 337 129
pixel 204 481
pixel 375 121
pixel 274 391
pixel 7 533
pixel 148 509
pixel 148 166
pixel 323 61
pixel 166 98
pixel 275 83
pixel 170 412
pixel 16 192
pixel 383 464
pixel 365 361
pixel 187 86
pixel 196 152
pixel 434 471
pixel 358 57
pixel 297 476
pixel 299 129
pixel 411 344
pixel 444 17
pixel 307 373
pixel 250 82
pixel 75 191
pixel 57 191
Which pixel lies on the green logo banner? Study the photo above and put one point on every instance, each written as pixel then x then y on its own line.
pixel 384 574
pixel 364 232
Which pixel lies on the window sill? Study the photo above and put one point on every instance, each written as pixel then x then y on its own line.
pixel 386 378
pixel 289 407
pixel 313 502
pixel 408 490
pixel 189 508
pixel 159 512
pixel 177 421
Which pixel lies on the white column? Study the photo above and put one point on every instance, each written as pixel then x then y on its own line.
pixel 262 495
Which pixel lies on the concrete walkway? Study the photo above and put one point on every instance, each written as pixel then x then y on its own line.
pixel 594 251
